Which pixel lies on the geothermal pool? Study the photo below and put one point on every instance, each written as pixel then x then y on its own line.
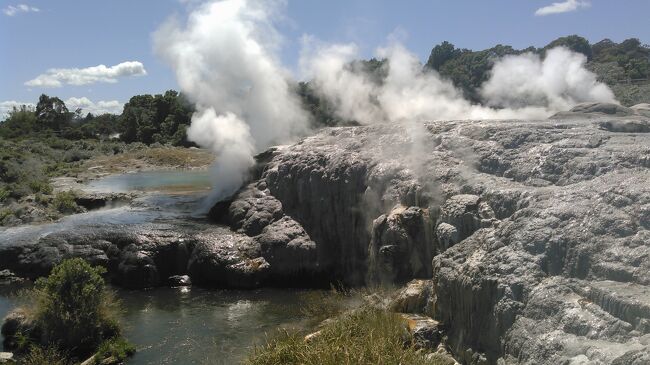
pixel 176 325
pixel 200 326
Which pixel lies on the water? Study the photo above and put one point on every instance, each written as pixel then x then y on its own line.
pixel 200 326
pixel 177 325
pixel 171 181
pixel 167 196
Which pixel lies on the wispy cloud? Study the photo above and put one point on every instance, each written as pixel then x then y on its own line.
pixel 96 108
pixel 57 77
pixel 12 10
pixel 9 105
pixel 83 103
pixel 563 7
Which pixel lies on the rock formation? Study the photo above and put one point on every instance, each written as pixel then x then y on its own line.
pixel 535 234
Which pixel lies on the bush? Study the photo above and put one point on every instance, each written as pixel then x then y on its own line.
pixel 4 194
pixel 40 186
pixel 65 202
pixel 117 348
pixel 74 309
pixel 366 336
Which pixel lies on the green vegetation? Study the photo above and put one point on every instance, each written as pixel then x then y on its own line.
pixel 161 118
pixel 624 66
pixel 365 336
pixel 65 202
pixel 73 316
pixel 116 348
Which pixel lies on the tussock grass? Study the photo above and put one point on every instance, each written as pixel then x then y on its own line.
pixel 366 336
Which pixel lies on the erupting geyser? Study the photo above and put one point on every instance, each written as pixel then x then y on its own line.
pixel 225 59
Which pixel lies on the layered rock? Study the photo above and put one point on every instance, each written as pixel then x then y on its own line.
pixel 535 234
pixel 537 230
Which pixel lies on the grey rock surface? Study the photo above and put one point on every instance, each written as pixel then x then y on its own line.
pixel 535 234
pixel 538 231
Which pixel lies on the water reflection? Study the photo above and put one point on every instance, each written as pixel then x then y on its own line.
pixel 198 326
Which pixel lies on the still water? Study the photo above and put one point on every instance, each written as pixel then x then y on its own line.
pixel 177 325
pixel 200 326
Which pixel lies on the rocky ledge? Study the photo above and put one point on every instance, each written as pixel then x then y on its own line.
pixel 535 235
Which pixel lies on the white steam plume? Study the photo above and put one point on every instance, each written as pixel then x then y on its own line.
pixel 557 82
pixel 523 86
pixel 224 59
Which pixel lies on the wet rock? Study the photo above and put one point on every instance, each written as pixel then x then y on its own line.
pixel 399 246
pixel 287 248
pixel 179 280
pixel 137 270
pixel 227 260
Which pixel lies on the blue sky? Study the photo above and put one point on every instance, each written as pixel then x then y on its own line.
pixel 45 34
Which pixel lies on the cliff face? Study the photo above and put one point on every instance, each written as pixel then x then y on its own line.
pixel 536 234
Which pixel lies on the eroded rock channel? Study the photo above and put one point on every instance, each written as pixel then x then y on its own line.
pixel 535 235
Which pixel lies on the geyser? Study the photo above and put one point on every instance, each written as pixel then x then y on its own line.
pixel 225 59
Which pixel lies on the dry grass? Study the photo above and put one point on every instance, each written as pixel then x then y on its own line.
pixel 150 158
pixel 366 336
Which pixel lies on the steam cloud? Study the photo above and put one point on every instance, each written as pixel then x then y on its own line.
pixel 225 59
pixel 523 86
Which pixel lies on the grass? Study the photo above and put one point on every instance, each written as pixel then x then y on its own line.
pixel 117 348
pixel 366 336
pixel 151 157
pixel 44 356
pixel 64 202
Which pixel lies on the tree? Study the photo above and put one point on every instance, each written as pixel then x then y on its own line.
pixel 52 113
pixel 441 54
pixel 74 308
pixel 574 43
pixel 21 121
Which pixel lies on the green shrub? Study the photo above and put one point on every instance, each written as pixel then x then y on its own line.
pixel 65 202
pixel 117 348
pixel 74 309
pixel 366 336
pixel 4 194
pixel 40 186
pixel 4 213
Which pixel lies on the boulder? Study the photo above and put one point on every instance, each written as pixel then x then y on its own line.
pixel 179 280
pixel 227 260
pixel 413 298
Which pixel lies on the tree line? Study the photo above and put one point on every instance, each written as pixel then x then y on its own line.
pixel 161 118
pixel 164 118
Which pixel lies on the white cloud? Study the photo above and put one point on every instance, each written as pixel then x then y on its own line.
pixel 57 77
pixel 98 108
pixel 7 106
pixel 87 106
pixel 563 7
pixel 12 10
